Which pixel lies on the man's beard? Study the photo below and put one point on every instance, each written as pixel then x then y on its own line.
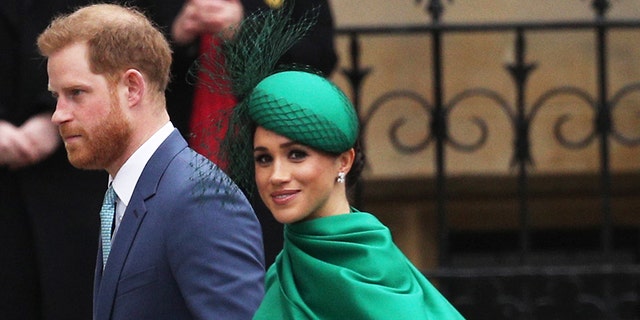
pixel 104 144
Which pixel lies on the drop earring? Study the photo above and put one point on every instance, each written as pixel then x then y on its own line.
pixel 341 177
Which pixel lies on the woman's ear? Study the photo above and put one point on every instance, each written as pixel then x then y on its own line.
pixel 346 160
pixel 136 86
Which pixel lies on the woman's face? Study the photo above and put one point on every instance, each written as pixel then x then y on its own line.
pixel 295 181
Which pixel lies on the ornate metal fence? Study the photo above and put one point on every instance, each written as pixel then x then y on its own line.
pixel 604 287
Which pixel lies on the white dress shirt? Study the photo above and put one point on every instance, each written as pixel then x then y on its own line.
pixel 127 177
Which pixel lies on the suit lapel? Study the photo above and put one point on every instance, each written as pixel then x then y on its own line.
pixel 107 280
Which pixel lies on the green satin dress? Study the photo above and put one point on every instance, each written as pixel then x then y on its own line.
pixel 347 267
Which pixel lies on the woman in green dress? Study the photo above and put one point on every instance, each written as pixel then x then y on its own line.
pixel 337 262
pixel 293 139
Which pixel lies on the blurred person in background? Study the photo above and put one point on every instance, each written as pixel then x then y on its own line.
pixel 48 224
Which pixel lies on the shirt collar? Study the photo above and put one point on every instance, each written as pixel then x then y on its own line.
pixel 125 180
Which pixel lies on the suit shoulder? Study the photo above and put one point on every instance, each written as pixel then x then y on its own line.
pixel 191 168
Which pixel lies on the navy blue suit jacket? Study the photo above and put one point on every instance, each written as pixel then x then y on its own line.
pixel 189 245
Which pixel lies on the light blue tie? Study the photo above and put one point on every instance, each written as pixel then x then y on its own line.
pixel 106 221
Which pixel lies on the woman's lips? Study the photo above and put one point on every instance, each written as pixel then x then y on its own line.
pixel 283 197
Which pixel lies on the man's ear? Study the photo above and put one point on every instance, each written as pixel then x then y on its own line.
pixel 136 86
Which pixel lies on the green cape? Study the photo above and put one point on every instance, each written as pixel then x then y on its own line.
pixel 347 267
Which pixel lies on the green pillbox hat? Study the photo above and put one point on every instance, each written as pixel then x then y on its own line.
pixel 306 108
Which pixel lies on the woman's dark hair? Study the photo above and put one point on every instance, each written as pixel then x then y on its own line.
pixel 358 165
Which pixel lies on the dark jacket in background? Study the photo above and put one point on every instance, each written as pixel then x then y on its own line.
pixel 48 211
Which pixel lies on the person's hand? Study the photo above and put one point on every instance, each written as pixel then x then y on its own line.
pixel 218 15
pixel 206 16
pixel 15 150
pixel 42 135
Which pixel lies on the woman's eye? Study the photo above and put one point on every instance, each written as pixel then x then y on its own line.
pixel 297 154
pixel 262 159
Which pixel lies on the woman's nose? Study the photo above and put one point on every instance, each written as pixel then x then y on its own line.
pixel 280 173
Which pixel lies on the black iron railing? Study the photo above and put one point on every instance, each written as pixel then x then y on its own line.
pixel 604 287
